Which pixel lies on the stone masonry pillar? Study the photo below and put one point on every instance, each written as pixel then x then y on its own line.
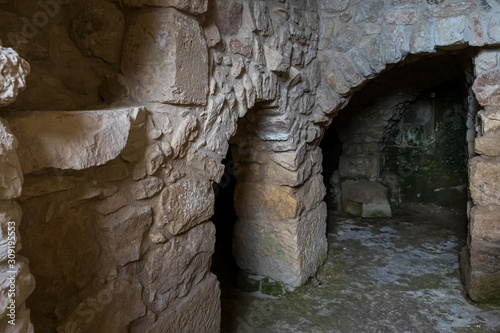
pixel 480 258
pixel 280 231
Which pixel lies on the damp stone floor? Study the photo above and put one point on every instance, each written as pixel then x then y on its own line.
pixel 382 275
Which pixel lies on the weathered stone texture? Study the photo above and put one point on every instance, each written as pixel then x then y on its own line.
pixel 97 28
pixel 13 71
pixel 165 54
pixel 487 88
pixel 126 231
pixel 484 224
pixel 184 205
pixel 366 199
pixel 360 166
pixel 287 250
pixel 173 268
pixel 189 6
pixel 488 145
pixel 11 175
pixel 104 309
pixel 70 140
pixel 484 180
pixel 197 311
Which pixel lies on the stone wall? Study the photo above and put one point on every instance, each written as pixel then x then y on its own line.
pixel 16 281
pixel 480 269
pixel 118 196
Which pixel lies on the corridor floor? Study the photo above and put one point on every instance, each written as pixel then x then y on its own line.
pixel 382 275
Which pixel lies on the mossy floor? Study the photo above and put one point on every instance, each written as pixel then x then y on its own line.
pixel 382 275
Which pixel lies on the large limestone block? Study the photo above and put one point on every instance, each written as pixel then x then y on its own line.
pixel 13 72
pixel 184 205
pixel 11 175
pixel 189 6
pixel 110 308
pixel 484 180
pixel 366 199
pixel 273 202
pixel 173 268
pixel 69 139
pixel 288 251
pixel 484 224
pixel 165 55
pixel 197 311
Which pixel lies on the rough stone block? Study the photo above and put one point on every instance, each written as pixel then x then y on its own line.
pixel 97 28
pixel 228 16
pixel 69 139
pixel 11 175
pixel 488 145
pixel 185 205
pixel 274 202
pixel 197 311
pixel 450 31
pixel 359 166
pixel 484 180
pixel 173 268
pixel 487 88
pixel 189 6
pixel 125 232
pixel 103 310
pixel 288 251
pixel 483 286
pixel 165 55
pixel 484 224
pixel 366 199
pixel 490 120
pixel 13 79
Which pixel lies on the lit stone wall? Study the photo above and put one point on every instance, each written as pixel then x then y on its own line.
pixel 118 196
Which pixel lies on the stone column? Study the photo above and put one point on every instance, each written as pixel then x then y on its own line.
pixel 480 258
pixel 16 281
pixel 280 232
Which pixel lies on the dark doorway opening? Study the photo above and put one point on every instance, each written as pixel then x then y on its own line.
pixel 223 262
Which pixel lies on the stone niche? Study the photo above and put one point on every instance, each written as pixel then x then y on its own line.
pixel 402 139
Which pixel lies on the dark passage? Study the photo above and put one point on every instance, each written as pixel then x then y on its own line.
pixel 223 262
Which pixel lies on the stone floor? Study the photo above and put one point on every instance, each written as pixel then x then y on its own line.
pixel 382 275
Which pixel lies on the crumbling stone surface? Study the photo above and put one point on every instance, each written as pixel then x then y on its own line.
pixel 13 71
pixel 16 281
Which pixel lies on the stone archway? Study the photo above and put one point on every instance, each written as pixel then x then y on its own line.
pixel 358 41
